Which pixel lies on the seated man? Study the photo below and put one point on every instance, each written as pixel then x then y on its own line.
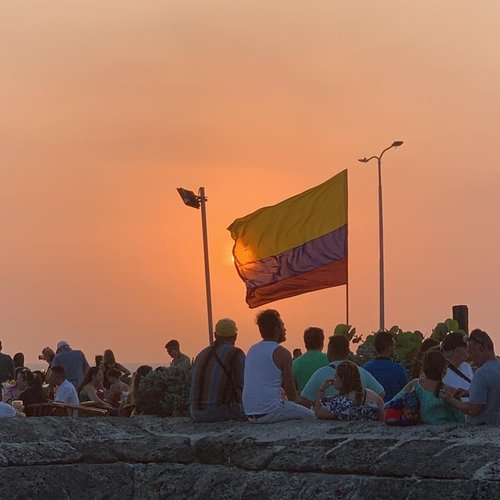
pixel 306 364
pixel 483 406
pixel 338 351
pixel 217 378
pixel 268 369
pixel 66 392
pixel 392 376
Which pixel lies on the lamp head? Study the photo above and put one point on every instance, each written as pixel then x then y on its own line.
pixel 189 198
pixel 363 160
pixel 396 144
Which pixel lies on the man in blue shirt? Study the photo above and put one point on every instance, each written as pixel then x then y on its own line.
pixel 392 376
pixel 74 362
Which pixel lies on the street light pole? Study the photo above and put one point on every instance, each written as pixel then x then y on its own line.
pixel 395 144
pixel 190 199
pixel 201 195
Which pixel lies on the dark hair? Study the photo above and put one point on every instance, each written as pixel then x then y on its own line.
pixel 172 344
pixel 416 367
pixel 267 321
pixel 382 341
pixel 99 358
pixel 109 357
pixel 338 347
pixel 32 379
pixel 141 372
pixel 18 360
pixel 38 378
pixel 48 353
pixel 348 372
pixel 314 338
pixel 113 373
pixel 58 370
pixel 91 373
pixel 26 375
pixel 433 367
pixel 482 338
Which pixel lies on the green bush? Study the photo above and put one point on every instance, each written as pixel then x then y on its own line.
pixel 165 392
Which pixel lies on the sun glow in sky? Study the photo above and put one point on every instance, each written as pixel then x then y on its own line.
pixel 108 107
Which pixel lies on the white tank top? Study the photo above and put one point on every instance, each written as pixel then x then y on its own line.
pixel 262 387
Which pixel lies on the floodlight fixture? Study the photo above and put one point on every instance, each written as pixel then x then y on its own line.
pixel 189 198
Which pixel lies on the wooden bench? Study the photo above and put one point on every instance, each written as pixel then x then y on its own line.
pixel 56 409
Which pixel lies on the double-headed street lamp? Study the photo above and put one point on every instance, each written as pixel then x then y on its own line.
pixel 395 144
pixel 190 199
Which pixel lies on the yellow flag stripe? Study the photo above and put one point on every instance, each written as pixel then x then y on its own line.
pixel 273 230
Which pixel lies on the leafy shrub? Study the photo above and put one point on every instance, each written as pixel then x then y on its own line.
pixel 348 332
pixel 407 346
pixel 165 392
pixel 442 329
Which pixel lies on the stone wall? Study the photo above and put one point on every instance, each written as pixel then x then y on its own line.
pixel 147 457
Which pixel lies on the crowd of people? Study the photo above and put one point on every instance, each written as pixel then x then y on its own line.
pixel 456 381
pixel 69 379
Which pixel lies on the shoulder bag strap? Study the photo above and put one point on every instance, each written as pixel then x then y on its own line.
pixel 459 373
pixel 226 371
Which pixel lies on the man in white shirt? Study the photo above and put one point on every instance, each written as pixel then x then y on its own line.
pixel 268 371
pixel 483 406
pixel 459 374
pixel 66 392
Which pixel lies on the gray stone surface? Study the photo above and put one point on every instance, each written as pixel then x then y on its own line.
pixel 148 457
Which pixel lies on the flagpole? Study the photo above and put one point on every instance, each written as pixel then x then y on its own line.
pixel 347 255
pixel 347 301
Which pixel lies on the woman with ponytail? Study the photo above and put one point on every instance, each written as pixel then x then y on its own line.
pixel 433 409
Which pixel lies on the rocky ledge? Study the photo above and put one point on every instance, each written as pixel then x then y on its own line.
pixel 149 458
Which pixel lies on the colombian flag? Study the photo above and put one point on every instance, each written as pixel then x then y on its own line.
pixel 296 246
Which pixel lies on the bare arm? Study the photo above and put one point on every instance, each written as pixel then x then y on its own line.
pixel 304 401
pixel 321 412
pixel 283 360
pixel 124 370
pixel 92 395
pixel 472 409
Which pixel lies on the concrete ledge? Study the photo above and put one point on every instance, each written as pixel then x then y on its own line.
pixel 148 457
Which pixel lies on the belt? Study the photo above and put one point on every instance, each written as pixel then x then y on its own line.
pixel 259 415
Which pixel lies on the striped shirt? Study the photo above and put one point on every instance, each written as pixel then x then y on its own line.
pixel 210 385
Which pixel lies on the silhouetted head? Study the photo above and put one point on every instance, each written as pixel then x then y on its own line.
pixel 314 338
pixel 109 357
pixel 271 326
pixel 384 344
pixel 347 379
pixel 338 348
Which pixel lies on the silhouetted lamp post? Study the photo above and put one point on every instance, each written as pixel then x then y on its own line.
pixel 395 144
pixel 193 200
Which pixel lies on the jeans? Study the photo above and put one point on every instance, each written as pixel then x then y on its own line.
pixel 287 410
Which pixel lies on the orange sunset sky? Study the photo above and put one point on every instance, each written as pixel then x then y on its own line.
pixel 108 106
